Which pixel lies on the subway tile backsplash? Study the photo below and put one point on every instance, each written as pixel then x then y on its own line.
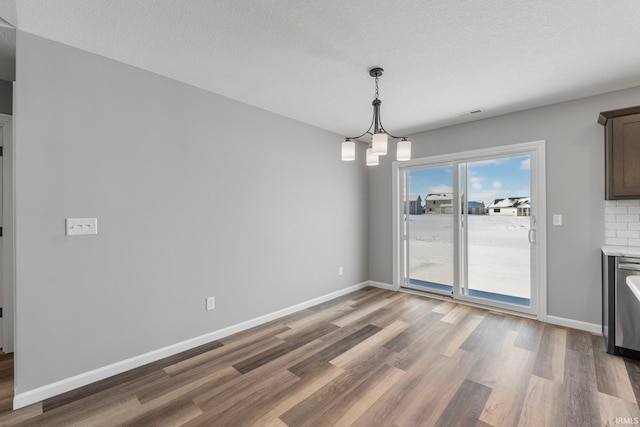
pixel 622 222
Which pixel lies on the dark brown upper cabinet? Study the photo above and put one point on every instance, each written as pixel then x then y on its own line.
pixel 622 153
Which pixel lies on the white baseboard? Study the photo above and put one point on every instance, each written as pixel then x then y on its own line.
pixel 381 285
pixel 575 324
pixel 41 393
pixel 554 320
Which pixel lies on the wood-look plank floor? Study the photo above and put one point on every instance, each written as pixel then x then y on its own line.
pixel 370 358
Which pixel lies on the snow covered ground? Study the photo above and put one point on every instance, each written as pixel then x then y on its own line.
pixel 499 252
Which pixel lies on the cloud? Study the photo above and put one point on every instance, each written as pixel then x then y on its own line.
pixel 476 182
pixel 497 184
pixel 525 191
pixel 441 188
pixel 525 165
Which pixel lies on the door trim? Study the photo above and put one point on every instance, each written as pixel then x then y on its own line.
pixel 7 286
pixel 540 182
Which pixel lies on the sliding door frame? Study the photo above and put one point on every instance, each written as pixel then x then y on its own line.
pixel 539 307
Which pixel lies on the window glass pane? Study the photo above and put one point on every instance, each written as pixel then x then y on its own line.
pixel 430 216
pixel 499 252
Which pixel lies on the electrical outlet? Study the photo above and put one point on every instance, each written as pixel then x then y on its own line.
pixel 339 271
pixel 211 303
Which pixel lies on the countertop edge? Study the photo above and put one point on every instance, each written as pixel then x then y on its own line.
pixel 621 251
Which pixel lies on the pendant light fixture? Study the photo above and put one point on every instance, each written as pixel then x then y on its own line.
pixel 372 158
pixel 379 135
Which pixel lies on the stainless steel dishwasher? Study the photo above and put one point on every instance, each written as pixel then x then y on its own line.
pixel 627 308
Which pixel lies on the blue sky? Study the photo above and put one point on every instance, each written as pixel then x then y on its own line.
pixel 487 180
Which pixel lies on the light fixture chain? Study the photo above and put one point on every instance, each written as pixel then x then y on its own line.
pixel 377 94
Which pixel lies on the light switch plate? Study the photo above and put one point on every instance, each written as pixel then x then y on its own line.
pixel 557 219
pixel 81 226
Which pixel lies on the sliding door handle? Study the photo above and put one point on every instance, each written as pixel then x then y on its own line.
pixel 532 235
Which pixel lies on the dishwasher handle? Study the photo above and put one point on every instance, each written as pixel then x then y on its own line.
pixel 633 285
pixel 632 267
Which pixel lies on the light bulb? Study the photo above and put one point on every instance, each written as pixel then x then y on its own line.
pixel 372 159
pixel 403 152
pixel 379 144
pixel 348 150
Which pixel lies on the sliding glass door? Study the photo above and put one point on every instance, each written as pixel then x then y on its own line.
pixel 429 228
pixel 469 226
pixel 495 229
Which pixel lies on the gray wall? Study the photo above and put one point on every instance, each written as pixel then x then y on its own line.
pixel 6 97
pixel 575 188
pixel 167 169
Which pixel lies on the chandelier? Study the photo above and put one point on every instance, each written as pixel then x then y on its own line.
pixel 379 136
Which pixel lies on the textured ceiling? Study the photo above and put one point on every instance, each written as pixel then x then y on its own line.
pixel 308 60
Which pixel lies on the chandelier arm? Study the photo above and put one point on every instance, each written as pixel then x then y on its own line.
pixel 368 131
pixel 358 137
pixel 392 136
